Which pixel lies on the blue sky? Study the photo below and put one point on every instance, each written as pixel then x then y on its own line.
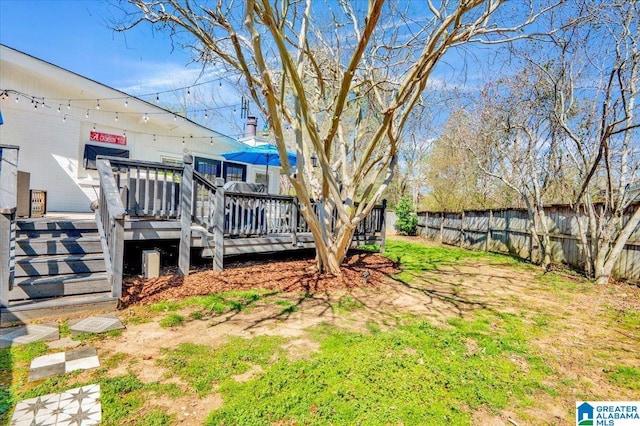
pixel 75 35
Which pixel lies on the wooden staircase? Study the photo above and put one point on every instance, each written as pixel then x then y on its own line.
pixel 59 267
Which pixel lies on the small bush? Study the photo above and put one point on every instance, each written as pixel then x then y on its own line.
pixel 407 222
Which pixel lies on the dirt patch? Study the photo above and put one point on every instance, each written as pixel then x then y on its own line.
pixel 299 276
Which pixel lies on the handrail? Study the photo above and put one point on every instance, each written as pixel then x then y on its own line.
pixel 110 216
pixel 8 208
pixel 119 161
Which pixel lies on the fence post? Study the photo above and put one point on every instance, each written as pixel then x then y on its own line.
pixel 488 240
pixel 441 227
pixel 218 227
pixel 186 199
pixel 462 229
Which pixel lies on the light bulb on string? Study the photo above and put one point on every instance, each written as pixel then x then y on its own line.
pixel 234 110
pixel 86 115
pixel 174 117
pixel 124 133
pixel 69 104
pixel 126 102
pixel 206 115
pixel 188 92
pixel 211 141
pixel 154 137
pixel 220 84
pixel 59 106
pixel 98 104
pixel 64 119
pixel 157 98
pixel 17 100
pixel 183 141
pixel 94 127
pixel 116 117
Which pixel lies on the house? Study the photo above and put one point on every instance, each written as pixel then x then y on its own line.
pixel 61 121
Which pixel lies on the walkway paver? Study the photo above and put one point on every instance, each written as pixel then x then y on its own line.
pixel 78 406
pixel 96 324
pixel 28 333
pixel 60 363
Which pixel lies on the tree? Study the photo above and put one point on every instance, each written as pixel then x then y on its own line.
pixel 596 77
pixel 407 220
pixel 518 143
pixel 344 75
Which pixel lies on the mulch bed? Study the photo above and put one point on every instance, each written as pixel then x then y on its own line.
pixel 360 269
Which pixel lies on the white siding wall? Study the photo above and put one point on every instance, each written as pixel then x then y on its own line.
pixel 51 150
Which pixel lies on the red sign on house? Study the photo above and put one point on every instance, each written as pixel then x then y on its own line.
pixel 107 138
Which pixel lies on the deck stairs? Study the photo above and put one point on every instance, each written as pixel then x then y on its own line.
pixel 59 266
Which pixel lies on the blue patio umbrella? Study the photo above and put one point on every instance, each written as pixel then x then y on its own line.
pixel 261 155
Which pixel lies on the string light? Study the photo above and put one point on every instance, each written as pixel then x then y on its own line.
pixel 98 104
pixel 183 141
pixel 206 115
pixel 87 114
pixel 126 102
pixel 17 100
pixel 64 119
pixel 188 92
pixel 94 127
pixel 69 104
pixel 211 141
pixel 145 117
pixel 116 117
pixel 154 137
pixel 157 98
pixel 59 106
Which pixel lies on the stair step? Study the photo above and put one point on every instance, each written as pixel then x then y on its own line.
pixel 29 310
pixel 70 245
pixel 61 264
pixel 58 285
pixel 39 229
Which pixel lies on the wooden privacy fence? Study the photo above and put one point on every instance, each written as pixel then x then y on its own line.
pixel 507 231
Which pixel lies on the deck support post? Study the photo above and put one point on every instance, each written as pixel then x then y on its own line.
pixel 218 227
pixel 294 222
pixel 383 226
pixel 118 258
pixel 186 201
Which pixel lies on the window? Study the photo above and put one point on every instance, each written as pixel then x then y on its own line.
pixel 261 178
pixel 235 172
pixel 92 151
pixel 165 159
pixel 208 168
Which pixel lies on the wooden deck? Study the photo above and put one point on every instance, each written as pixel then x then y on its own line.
pixel 64 262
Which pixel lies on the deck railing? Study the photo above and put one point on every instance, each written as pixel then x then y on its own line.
pixel 8 206
pixel 110 216
pixel 149 190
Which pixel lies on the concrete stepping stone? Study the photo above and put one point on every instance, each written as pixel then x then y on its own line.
pixel 29 333
pixel 78 406
pixel 96 324
pixel 61 363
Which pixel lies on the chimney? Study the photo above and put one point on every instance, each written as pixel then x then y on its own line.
pixel 252 124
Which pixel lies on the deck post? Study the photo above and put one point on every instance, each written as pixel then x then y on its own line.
pixel 8 205
pixel 186 200
pixel 218 227
pixel 294 221
pixel 383 226
pixel 118 258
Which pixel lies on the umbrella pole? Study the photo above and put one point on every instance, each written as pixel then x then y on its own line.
pixel 267 173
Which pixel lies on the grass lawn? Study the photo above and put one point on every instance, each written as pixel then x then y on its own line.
pixel 458 337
